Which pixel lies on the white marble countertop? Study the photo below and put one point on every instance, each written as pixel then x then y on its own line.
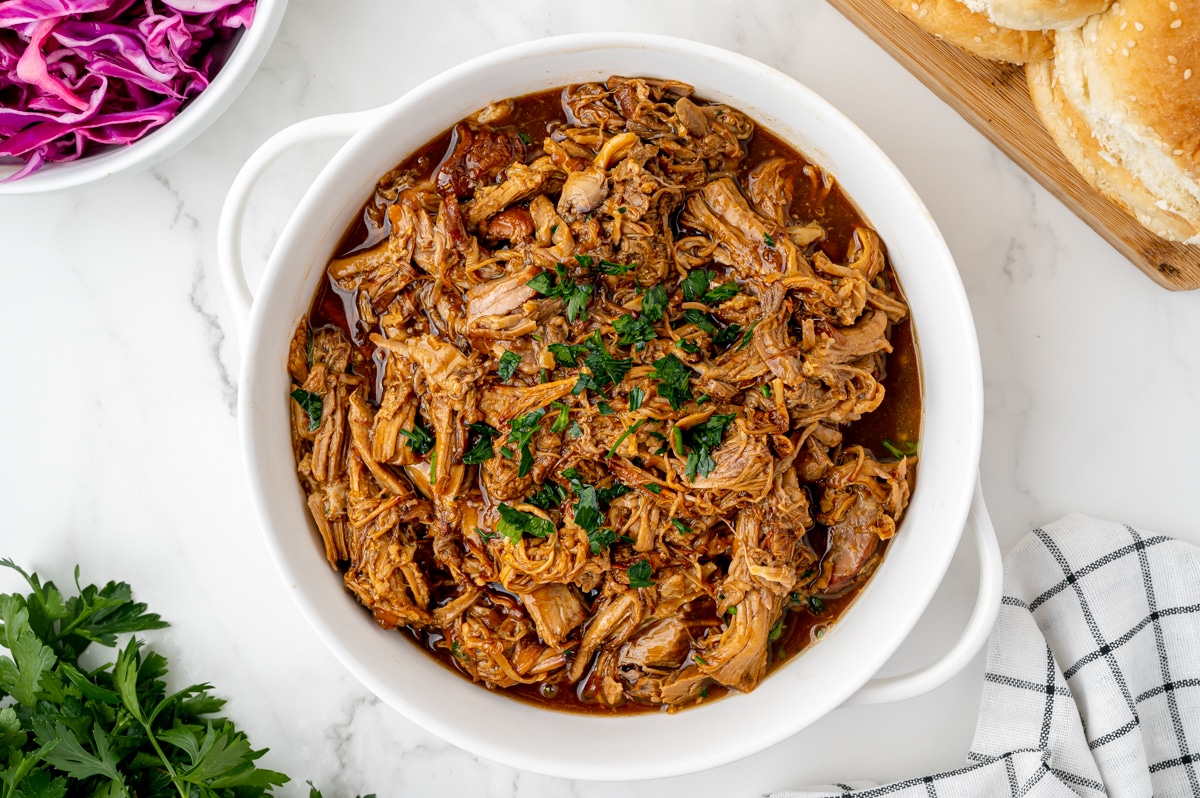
pixel 120 440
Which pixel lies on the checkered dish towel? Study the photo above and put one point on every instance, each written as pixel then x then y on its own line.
pixel 1092 685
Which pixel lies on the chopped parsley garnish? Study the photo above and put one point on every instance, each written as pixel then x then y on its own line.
pixel 722 293
pixel 702 440
pixel 696 284
pixel 695 288
pixel 613 491
pixel 635 332
pixel 769 241
pixel 625 435
pixel 588 515
pixel 731 610
pixel 485 536
pixel 701 320
pixel 508 365
pixel 674 380
pixel 601 539
pixel 567 354
pixel 653 487
pixel 639 574
pixel 576 296
pixel 562 419
pixel 420 440
pixel 901 449
pixel 816 605
pixel 524 137
pixel 433 468
pixel 681 526
pixel 765 390
pixel 312 406
pixel 455 648
pixel 584 260
pixel 701 399
pixel 608 267
pixel 548 496
pixel 654 302
pixel 677 440
pixel 776 631
pixel 521 432
pixel 622 209
pixel 728 335
pixel 605 369
pixel 687 346
pixel 574 431
pixel 605 409
pixel 514 523
pixel 636 395
pixel 748 337
pixel 481 450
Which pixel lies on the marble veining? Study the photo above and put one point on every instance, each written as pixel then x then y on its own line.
pixel 121 442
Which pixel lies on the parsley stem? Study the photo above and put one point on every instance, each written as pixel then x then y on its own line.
pixel 625 435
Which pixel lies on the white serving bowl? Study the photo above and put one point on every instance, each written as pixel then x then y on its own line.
pixel 640 746
pixel 196 115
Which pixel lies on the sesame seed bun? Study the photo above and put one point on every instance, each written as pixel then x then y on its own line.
pixel 974 32
pixel 1038 14
pixel 1131 79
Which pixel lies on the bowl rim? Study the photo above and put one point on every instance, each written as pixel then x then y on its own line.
pixel 192 120
pixel 953 506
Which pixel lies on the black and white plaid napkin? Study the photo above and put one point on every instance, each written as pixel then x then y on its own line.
pixel 1093 674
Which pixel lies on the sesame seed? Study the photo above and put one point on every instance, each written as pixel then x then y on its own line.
pixel 1139 26
pixel 1178 152
pixel 993 29
pixel 1108 50
pixel 1131 44
pixel 1132 99
pixel 1124 25
pixel 1172 60
pixel 1187 74
pixel 978 38
pixel 916 6
pixel 1125 51
pixel 1174 5
pixel 1177 23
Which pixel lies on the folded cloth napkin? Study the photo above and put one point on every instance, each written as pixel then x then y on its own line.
pixel 1092 686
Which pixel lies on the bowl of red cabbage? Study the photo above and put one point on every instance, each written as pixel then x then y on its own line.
pixel 91 88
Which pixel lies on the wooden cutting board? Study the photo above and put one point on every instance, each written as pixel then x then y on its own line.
pixel 993 97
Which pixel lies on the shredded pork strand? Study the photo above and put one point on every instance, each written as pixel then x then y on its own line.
pixel 587 428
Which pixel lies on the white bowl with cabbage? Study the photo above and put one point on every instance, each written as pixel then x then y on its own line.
pixel 92 88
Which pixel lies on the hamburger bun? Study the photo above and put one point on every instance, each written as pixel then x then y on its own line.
pixel 1122 98
pixel 1038 14
pixel 974 32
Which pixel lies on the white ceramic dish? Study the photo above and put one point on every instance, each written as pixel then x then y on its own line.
pixel 812 684
pixel 192 120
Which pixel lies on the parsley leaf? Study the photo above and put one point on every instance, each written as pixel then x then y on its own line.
pixel 636 395
pixel 508 365
pixel 722 293
pixel 608 267
pixel 728 335
pixel 636 332
pixel 654 302
pixel 602 539
pixel 687 346
pixel 567 354
pixel 815 605
pixel 577 302
pixel 624 435
pixel 639 574
pixel 696 284
pixel 481 450
pixel 606 369
pixel 548 496
pixel 311 404
pixel 584 260
pixel 543 283
pixel 702 439
pixel 524 137
pixel 701 320
pixel 901 449
pixel 521 431
pixel 420 440
pixel 769 241
pixel 514 523
pixel 559 285
pixel 563 419
pixel 653 487
pixel 681 526
pixel 748 337
pixel 674 380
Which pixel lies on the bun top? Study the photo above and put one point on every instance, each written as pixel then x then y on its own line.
pixel 1038 14
pixel 1143 73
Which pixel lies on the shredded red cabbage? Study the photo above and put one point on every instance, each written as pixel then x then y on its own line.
pixel 78 74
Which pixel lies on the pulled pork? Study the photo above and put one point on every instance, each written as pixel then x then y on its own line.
pixel 584 425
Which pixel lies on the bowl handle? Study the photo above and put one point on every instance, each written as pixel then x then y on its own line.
pixel 987 607
pixel 229 229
